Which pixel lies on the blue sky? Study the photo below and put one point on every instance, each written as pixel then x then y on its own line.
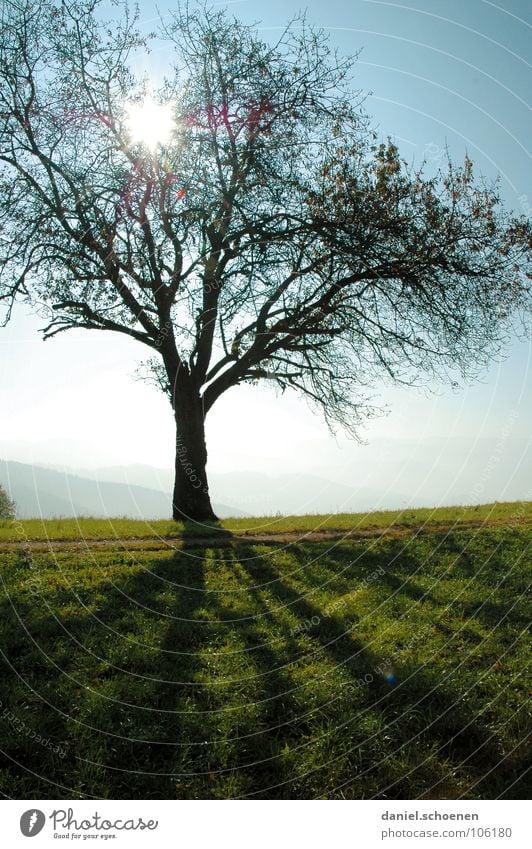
pixel 437 74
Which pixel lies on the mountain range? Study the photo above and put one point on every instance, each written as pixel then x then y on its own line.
pixel 144 492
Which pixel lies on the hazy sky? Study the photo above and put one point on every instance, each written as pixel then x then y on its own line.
pixel 440 73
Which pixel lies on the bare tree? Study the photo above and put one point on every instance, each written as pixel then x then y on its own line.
pixel 270 238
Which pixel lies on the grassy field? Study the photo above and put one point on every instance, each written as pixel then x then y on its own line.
pixel 392 666
pixel 94 529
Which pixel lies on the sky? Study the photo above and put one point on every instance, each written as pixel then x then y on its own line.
pixel 437 75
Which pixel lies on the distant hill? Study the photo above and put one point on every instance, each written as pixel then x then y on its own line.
pixel 439 470
pixel 49 493
pixel 140 491
pixel 259 494
pixel 299 494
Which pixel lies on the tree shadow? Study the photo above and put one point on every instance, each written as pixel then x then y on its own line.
pixel 211 530
pixel 160 702
pixel 488 613
pixel 116 699
pixel 163 691
pixel 428 715
pixel 342 647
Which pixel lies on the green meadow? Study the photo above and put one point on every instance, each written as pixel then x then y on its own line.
pixel 391 664
pixel 96 529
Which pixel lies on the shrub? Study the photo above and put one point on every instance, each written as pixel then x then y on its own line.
pixel 7 506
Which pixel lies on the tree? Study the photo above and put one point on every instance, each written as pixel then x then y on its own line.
pixel 7 506
pixel 270 238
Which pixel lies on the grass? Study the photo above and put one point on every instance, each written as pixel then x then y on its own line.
pixel 93 529
pixel 389 667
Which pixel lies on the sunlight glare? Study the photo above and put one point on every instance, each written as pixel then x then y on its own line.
pixel 150 123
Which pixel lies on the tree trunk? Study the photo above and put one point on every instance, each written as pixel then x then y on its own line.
pixel 191 500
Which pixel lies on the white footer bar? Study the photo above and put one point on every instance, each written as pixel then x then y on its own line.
pixel 265 824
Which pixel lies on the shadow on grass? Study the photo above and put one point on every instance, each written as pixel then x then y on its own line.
pixel 163 691
pixel 426 716
pixel 211 530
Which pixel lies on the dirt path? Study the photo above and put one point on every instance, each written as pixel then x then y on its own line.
pixel 229 539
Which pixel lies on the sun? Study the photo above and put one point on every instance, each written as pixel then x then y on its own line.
pixel 150 123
